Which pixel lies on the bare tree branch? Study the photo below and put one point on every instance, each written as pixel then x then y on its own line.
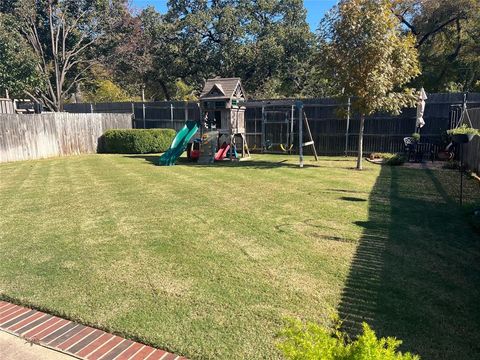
pixel 436 30
pixel 77 78
pixel 68 37
pixel 404 21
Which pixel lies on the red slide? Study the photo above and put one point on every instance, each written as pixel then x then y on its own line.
pixel 222 152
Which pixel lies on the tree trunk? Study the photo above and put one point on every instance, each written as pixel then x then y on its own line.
pixel 165 90
pixel 360 142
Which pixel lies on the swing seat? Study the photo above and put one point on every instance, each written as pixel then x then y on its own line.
pixel 285 149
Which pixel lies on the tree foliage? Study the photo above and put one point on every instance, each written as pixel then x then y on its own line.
pixel 61 33
pixel 267 43
pixel 107 91
pixel 369 58
pixel 18 71
pixel 447 34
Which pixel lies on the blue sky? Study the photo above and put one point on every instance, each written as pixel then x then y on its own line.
pixel 315 8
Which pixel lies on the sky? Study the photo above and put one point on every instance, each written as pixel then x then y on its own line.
pixel 315 8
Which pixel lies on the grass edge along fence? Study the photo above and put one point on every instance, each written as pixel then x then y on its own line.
pixel 36 136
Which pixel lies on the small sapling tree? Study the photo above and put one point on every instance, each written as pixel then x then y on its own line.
pixel 369 56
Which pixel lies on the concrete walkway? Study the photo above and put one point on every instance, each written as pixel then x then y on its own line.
pixel 14 348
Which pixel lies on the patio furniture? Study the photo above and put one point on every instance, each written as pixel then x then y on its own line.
pixel 417 150
pixel 409 149
pixel 424 148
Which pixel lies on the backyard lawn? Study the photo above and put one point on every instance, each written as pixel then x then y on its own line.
pixel 208 261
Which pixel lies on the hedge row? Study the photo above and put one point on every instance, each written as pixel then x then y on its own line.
pixel 137 141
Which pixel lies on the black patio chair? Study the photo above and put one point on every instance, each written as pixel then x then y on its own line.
pixel 409 149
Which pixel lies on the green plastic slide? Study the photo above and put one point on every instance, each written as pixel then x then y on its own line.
pixel 179 144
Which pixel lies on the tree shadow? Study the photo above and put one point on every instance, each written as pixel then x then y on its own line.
pixel 256 164
pixel 416 271
pixel 252 163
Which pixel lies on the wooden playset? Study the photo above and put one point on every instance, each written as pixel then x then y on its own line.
pixel 221 134
pixel 221 104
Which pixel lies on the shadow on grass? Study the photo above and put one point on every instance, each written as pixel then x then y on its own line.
pixel 254 164
pixel 351 198
pixel 152 159
pixel 416 271
pixel 347 191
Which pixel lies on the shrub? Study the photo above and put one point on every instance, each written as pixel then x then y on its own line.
pixel 389 159
pixel 416 137
pixel 137 141
pixel 312 342
pixel 395 160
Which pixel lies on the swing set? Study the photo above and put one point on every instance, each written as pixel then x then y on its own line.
pixel 280 120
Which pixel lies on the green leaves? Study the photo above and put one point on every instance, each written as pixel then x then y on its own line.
pixel 267 43
pixel 107 91
pixel 368 56
pixel 137 141
pixel 311 341
pixel 18 71
pixel 447 34
pixel 464 129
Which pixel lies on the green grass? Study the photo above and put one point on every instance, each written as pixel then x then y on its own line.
pixel 207 261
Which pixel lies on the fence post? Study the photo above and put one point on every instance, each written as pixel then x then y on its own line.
pixel 143 115
pixel 186 111
pixel 348 128
pixel 290 146
pixel 91 108
pixel 300 132
pixel 263 128
pixel 133 115
pixel 171 116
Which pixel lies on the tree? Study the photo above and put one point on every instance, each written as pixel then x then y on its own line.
pixel 184 92
pixel 107 91
pixel 267 43
pixel 447 36
pixel 61 33
pixel 128 50
pixel 278 44
pixel 17 62
pixel 205 35
pixel 369 57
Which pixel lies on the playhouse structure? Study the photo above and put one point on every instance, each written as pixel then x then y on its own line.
pixel 221 104
pixel 220 134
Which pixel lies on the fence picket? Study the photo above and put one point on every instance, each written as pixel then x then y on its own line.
pixel 28 137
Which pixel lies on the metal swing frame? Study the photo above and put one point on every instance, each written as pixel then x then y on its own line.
pixel 290 107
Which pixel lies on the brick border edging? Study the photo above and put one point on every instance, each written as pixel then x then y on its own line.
pixel 80 341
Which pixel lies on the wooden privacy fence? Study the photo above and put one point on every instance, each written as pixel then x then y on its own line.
pixel 147 115
pixel 331 133
pixel 471 151
pixel 6 106
pixel 28 137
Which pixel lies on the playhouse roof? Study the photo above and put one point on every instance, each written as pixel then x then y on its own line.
pixel 222 88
